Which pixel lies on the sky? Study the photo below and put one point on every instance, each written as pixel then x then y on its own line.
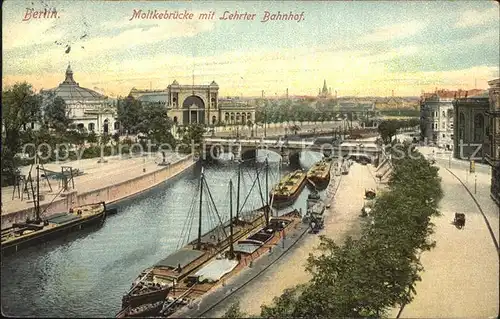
pixel 360 48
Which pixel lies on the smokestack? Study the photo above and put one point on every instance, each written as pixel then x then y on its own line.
pixel 392 93
pixel 287 93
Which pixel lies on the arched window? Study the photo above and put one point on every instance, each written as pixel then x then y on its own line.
pixel 461 126
pixel 478 127
pixel 175 120
pixel 91 127
pixel 117 125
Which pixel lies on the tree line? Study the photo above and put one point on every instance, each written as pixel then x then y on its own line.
pixel 317 111
pixel 303 111
pixel 389 128
pixel 376 272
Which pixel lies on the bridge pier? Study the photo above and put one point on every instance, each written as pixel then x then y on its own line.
pixel 285 156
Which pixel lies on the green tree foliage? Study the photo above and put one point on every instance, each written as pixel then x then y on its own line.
pixel 234 312
pixel 193 134
pixel 368 276
pixel 55 113
pixel 155 124
pixel 129 113
pixel 387 129
pixel 92 137
pixel 20 105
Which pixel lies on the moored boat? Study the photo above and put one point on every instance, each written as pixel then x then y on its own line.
pixel 244 253
pixel 319 174
pixel 32 232
pixel 288 189
pixel 174 273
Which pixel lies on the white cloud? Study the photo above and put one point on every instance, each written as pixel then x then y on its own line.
pixel 472 18
pixel 394 31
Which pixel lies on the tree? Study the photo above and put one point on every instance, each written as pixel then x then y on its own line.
pixel 116 138
pixel 92 137
pixel 20 105
pixel 104 139
pixel 55 114
pixel 155 124
pixel 234 311
pixel 387 129
pixel 129 113
pixel 295 128
pixel 193 134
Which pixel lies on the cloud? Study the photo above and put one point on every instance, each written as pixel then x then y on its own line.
pixel 472 18
pixel 394 31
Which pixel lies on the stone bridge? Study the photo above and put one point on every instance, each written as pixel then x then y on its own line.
pixel 289 150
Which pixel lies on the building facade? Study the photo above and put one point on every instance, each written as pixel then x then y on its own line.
pixel 189 104
pixel 471 128
pixel 494 157
pixel 89 110
pixel 436 118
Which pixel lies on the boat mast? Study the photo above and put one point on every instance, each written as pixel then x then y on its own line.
pixel 37 210
pixel 231 248
pixel 198 244
pixel 267 190
pixel 238 192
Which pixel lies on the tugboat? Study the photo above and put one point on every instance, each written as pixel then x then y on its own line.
pixel 288 189
pixel 319 174
pixel 38 230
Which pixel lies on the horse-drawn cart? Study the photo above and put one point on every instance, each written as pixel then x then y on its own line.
pixel 459 220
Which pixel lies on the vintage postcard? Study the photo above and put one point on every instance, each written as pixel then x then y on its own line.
pixel 242 159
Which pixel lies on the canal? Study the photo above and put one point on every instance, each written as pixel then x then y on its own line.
pixel 86 274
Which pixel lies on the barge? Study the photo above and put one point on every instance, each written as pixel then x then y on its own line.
pixel 288 189
pixel 174 273
pixel 30 233
pixel 319 174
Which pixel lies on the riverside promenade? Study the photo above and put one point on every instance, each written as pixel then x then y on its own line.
pixel 111 180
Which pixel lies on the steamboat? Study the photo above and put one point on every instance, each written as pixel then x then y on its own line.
pixel 288 189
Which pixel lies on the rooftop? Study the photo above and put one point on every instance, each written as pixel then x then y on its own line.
pixel 69 89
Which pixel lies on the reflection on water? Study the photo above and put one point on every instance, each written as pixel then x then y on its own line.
pixel 86 274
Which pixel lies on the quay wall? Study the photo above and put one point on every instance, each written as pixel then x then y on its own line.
pixel 109 194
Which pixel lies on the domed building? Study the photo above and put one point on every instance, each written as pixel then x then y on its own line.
pixel 89 110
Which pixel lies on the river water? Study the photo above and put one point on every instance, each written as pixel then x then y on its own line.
pixel 86 274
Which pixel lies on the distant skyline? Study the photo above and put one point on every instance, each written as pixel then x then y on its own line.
pixel 360 48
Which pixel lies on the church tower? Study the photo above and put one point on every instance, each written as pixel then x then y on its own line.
pixel 325 90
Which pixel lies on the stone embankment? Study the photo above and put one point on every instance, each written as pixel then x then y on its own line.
pixel 114 180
